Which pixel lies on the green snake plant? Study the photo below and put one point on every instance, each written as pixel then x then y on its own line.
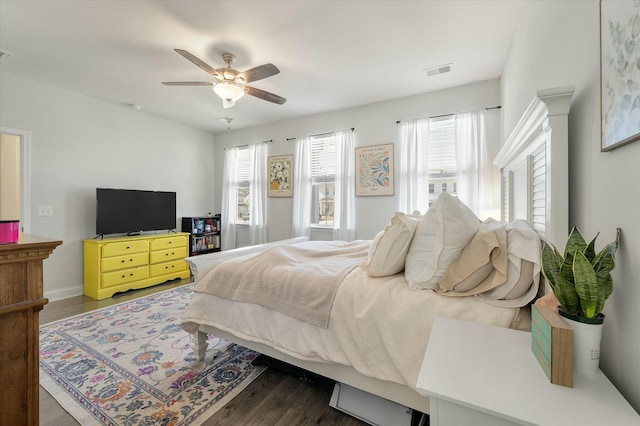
pixel 581 279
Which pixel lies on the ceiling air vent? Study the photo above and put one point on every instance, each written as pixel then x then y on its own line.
pixel 440 69
pixel 4 56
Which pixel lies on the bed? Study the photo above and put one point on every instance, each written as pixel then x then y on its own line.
pixel 364 339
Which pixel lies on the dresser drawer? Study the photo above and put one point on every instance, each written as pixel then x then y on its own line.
pixel 121 262
pixel 167 268
pixel 125 247
pixel 125 276
pixel 167 255
pixel 168 242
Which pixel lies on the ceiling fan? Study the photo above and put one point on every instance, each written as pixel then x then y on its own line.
pixel 230 84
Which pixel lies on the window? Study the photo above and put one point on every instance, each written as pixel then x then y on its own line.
pixel 456 160
pixel 442 155
pixel 243 171
pixel 323 176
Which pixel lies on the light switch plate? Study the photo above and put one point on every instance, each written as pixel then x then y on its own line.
pixel 45 210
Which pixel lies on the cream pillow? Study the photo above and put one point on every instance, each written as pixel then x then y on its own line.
pixel 389 248
pixel 481 266
pixel 523 277
pixel 443 232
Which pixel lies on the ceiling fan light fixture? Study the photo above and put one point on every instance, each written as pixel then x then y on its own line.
pixel 230 84
pixel 228 91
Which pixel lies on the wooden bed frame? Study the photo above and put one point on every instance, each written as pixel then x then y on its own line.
pixel 534 168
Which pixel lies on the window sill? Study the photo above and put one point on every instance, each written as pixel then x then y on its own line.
pixel 317 227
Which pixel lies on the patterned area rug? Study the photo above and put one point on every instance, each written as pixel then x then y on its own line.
pixel 131 364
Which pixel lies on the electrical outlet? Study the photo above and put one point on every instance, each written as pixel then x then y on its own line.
pixel 45 210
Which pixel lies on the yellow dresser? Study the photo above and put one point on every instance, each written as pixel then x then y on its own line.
pixel 119 264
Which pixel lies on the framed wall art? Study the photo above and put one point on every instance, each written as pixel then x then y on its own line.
pixel 374 170
pixel 620 72
pixel 280 176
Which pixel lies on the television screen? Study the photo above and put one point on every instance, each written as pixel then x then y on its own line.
pixel 131 211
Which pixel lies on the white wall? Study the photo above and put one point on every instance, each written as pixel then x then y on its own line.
pixel 556 44
pixel 78 144
pixel 374 124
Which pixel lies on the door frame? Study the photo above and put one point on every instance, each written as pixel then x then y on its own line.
pixel 25 175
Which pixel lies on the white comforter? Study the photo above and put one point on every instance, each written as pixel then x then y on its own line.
pixel 300 280
pixel 379 326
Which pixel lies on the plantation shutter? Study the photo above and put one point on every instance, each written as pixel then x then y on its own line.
pixel 323 158
pixel 506 196
pixel 442 147
pixel 538 190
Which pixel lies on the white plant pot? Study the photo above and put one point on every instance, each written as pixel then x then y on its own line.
pixel 586 346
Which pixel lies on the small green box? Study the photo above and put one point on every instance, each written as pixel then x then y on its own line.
pixel 552 345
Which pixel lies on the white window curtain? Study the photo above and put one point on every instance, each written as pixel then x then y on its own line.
pixel 229 200
pixel 302 189
pixel 413 175
pixel 475 174
pixel 343 217
pixel 258 194
pixel 255 174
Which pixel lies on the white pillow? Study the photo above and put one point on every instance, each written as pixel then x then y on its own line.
pixel 446 228
pixel 389 248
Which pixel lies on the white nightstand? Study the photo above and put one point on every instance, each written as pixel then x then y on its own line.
pixel 475 374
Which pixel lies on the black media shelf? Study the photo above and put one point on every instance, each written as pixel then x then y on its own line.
pixel 204 234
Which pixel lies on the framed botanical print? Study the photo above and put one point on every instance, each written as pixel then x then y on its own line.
pixel 280 176
pixel 620 72
pixel 374 170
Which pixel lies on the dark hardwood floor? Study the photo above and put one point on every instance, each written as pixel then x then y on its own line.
pixel 274 398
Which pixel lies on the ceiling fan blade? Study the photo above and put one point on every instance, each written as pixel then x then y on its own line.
pixel 198 62
pixel 258 73
pixel 187 83
pixel 258 93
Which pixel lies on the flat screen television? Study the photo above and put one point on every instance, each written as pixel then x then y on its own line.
pixel 131 211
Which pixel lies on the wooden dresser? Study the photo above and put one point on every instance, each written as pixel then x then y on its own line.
pixel 119 264
pixel 21 298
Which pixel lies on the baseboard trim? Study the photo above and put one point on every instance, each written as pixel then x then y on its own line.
pixel 64 293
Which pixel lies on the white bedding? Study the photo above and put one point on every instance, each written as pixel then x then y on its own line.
pixel 379 326
pixel 300 280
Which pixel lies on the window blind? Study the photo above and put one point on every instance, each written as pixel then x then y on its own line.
pixel 442 147
pixel 243 166
pixel 323 158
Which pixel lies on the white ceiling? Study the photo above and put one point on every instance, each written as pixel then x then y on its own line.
pixel 332 55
